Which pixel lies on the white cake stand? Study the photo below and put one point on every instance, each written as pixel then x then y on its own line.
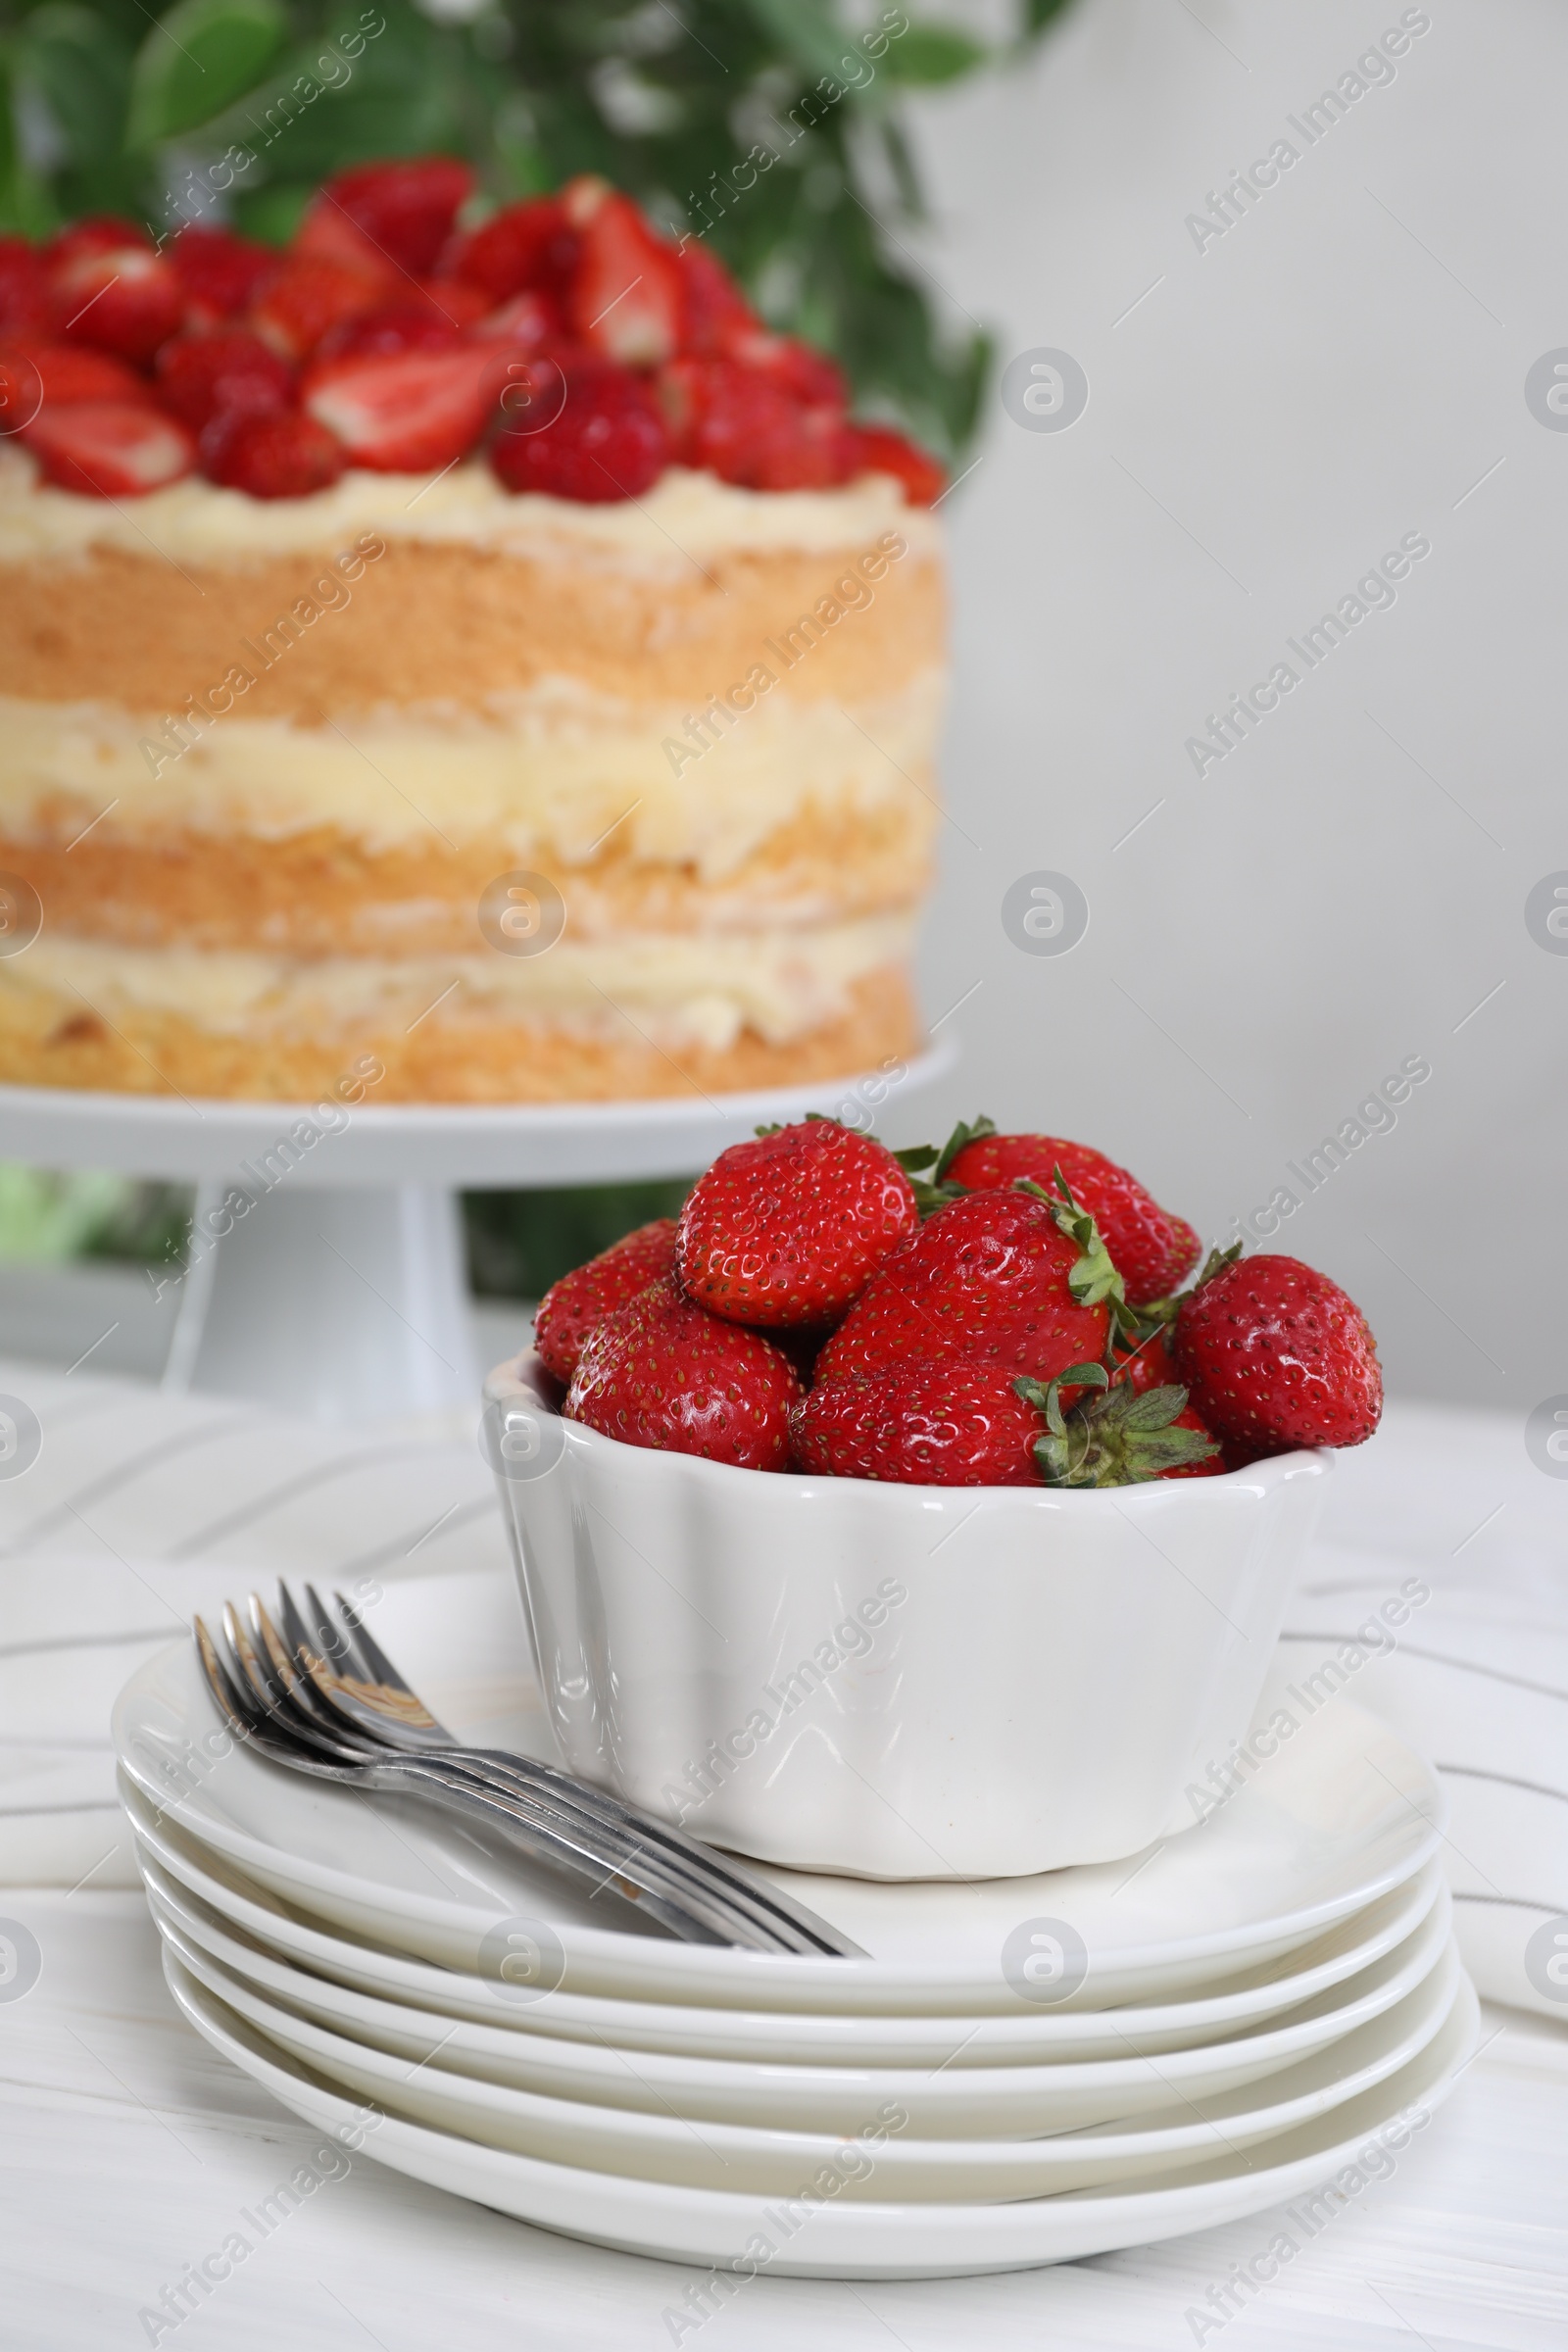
pixel 339 1291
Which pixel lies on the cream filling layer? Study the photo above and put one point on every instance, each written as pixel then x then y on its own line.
pixel 683 519
pixel 558 767
pixel 781 983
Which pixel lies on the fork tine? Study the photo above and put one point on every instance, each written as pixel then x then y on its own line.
pixel 392 1715
pixel 299 1703
pixel 243 1650
pixel 335 1646
pixel 313 1659
pixel 379 1666
pixel 230 1704
pixel 296 1632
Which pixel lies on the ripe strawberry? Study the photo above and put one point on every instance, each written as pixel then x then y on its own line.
pixel 573 1307
pixel 661 1372
pixel 27 308
pixel 1147 1367
pixel 878 451
pixel 1150 1367
pixel 1275 1355
pixel 409 411
pixel 953 1423
pixel 606 441
pixel 988 1279
pixel 108 448
pixel 304 297
pixel 1213 1465
pixel 711 304
pixel 529 246
pixel 111 289
pixel 274 452
pixel 1117 1435
pixel 789 1228
pixel 626 294
pixel 205 375
pixel 218 273
pixel 1153 1249
pixel 404 209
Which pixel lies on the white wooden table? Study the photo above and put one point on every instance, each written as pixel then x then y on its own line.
pixel 131 2151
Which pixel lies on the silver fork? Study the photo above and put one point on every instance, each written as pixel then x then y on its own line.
pixel 373 1701
pixel 294 1710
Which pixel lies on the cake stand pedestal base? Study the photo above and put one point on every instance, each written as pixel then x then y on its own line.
pixel 339 1290
pixel 344 1305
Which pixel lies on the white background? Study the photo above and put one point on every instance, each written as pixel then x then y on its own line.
pixel 1340 368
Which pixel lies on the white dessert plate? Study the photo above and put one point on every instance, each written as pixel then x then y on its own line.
pixel 815 2235
pixel 1344 1813
pixel 1017 2103
pixel 773 2038
pixel 773 2163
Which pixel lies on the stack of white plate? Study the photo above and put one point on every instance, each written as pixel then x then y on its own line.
pixel 1024 2070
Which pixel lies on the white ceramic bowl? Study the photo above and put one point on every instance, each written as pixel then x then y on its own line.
pixel 894 1682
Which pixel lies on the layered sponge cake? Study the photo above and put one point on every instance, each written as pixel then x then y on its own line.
pixel 541 703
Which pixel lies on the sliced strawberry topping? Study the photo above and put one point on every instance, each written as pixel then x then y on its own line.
pixel 408 410
pixel 525 246
pixel 201 377
pixel 626 296
pixel 327 233
pixel 452 298
pixel 404 209
pixel 112 289
pixel 392 327
pixel 218 273
pixel 21 389
pixel 108 448
pixel 411 332
pixel 27 304
pixel 711 304
pixel 281 453
pixel 64 373
pixel 306 297
pixel 878 451
pixel 526 321
pixel 807 374
pixel 607 440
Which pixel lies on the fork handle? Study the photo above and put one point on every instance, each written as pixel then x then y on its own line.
pixel 684 1910
pixel 694 1862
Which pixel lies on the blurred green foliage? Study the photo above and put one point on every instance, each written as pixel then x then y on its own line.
pixel 520 1243
pixel 106 105
pixel 46 1216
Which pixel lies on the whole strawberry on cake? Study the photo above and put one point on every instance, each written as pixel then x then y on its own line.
pixel 472 642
